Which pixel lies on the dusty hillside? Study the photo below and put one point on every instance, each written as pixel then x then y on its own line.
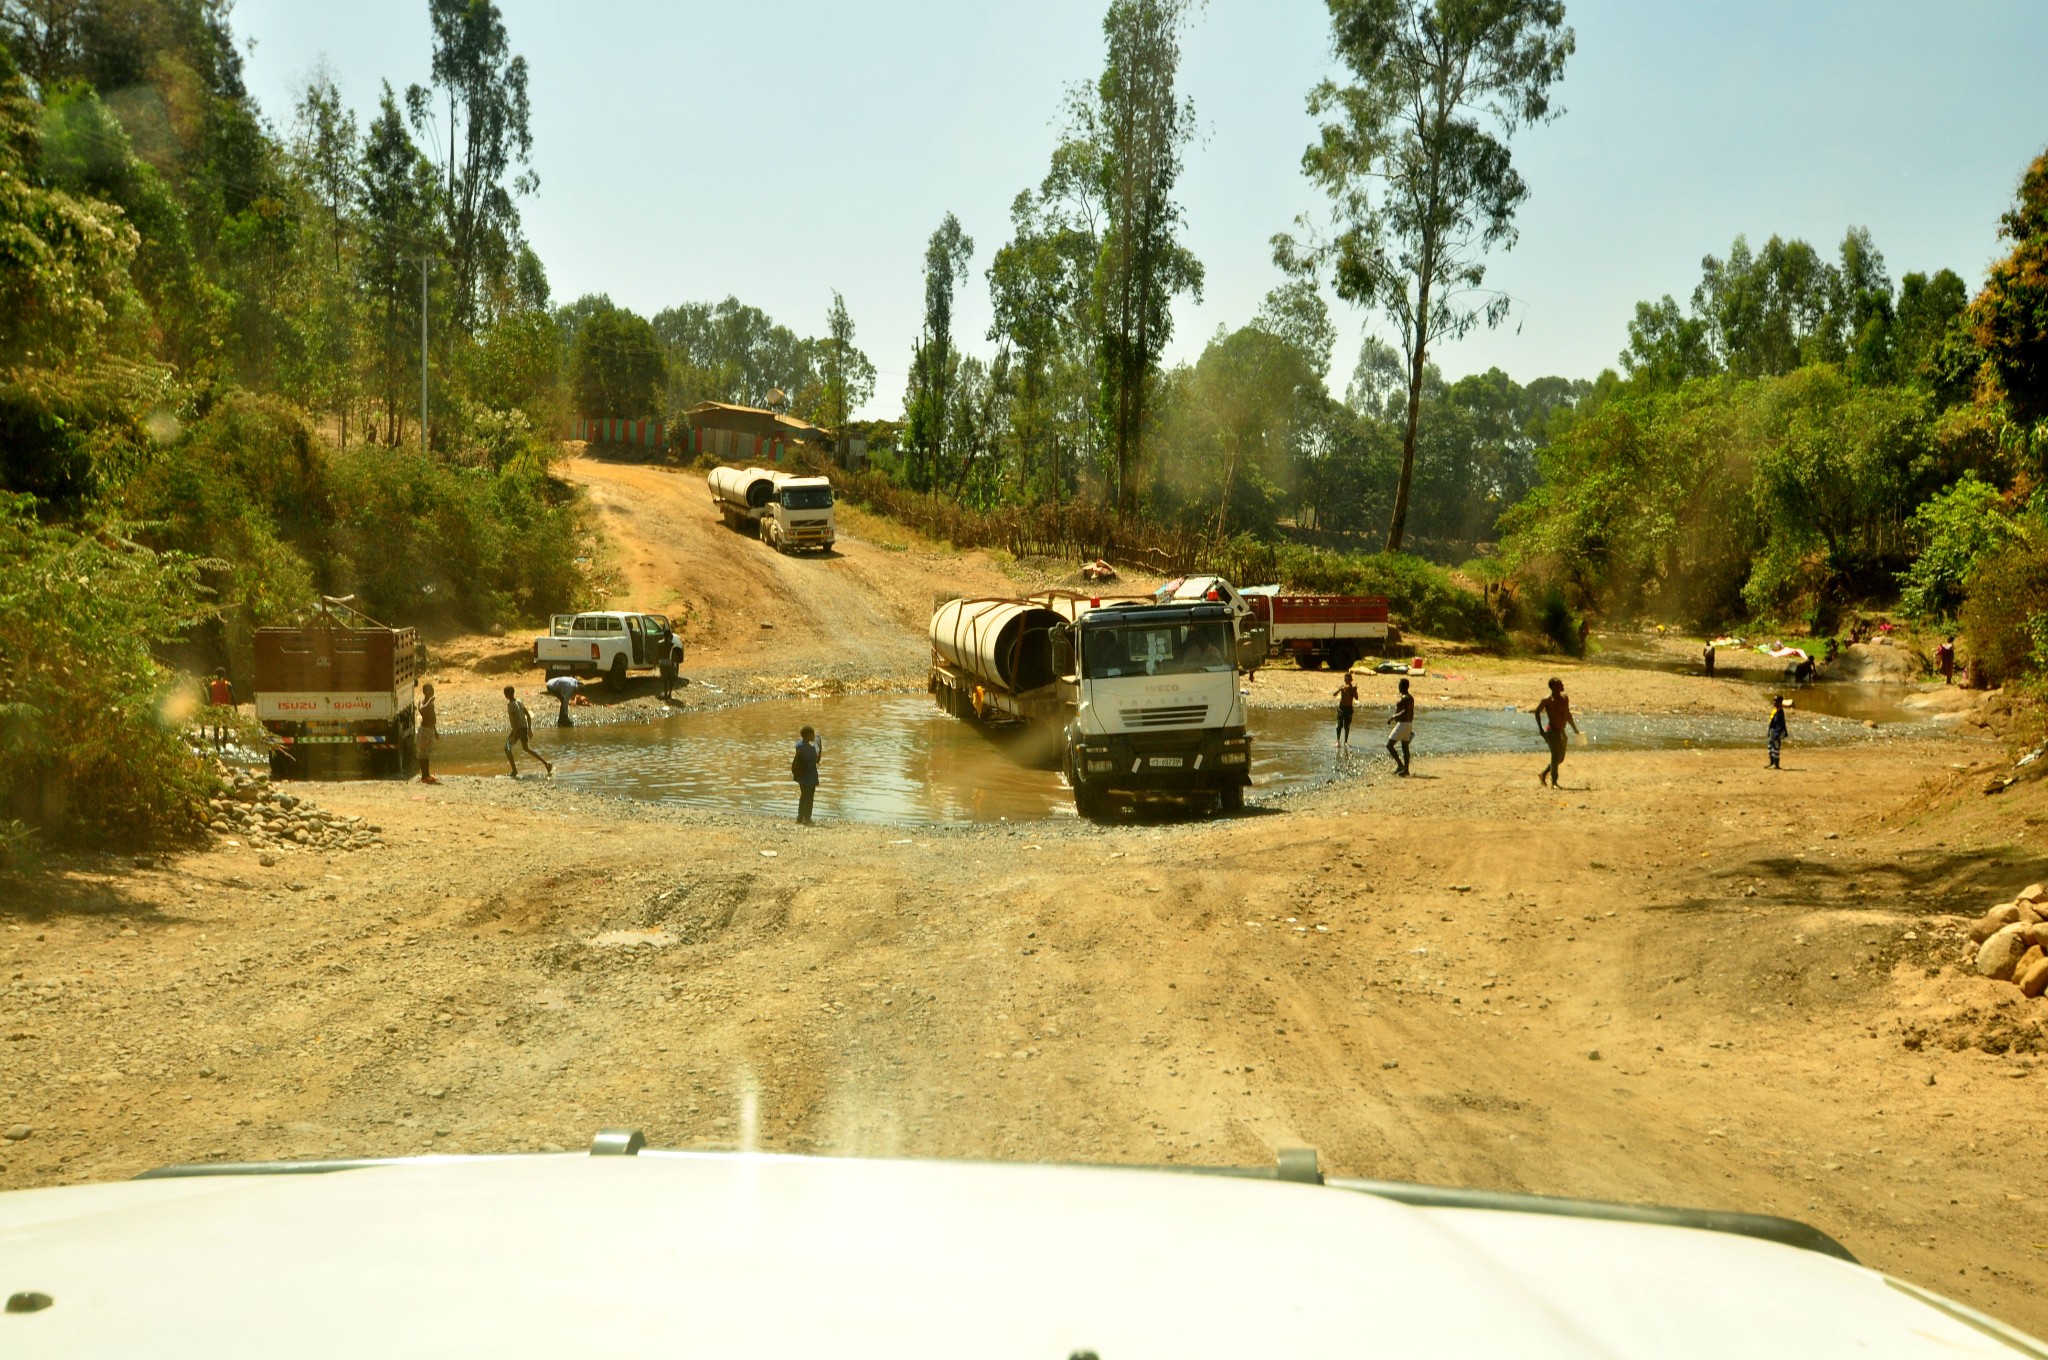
pixel 754 621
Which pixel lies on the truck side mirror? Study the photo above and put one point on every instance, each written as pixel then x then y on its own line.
pixel 1063 650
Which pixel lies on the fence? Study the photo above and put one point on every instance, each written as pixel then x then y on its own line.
pixel 728 446
pixel 646 434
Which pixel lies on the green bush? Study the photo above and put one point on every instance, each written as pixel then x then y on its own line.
pixel 1957 529
pixel 275 518
pixel 415 538
pixel 2005 617
pixel 89 722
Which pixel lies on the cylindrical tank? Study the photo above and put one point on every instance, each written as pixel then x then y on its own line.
pixel 743 488
pixel 1003 643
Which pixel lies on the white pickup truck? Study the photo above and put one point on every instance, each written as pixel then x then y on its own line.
pixel 607 642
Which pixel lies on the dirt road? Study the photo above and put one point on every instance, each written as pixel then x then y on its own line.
pixel 755 622
pixel 1680 979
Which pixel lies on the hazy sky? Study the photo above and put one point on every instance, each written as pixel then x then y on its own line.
pixel 778 151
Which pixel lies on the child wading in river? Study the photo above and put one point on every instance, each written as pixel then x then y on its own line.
pixel 1347 700
pixel 1402 720
pixel 1777 729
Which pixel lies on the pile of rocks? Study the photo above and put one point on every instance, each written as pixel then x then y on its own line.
pixel 267 819
pixel 2012 941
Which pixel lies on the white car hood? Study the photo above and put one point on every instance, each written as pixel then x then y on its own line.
pixel 734 1255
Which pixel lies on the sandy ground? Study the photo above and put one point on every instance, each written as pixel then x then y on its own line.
pixel 1679 979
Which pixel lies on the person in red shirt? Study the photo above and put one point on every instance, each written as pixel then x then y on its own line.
pixel 1553 715
pixel 220 696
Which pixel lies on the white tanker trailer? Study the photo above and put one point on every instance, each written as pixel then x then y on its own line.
pixel 788 511
pixel 1136 699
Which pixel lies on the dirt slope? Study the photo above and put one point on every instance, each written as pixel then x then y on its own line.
pixel 861 605
pixel 755 622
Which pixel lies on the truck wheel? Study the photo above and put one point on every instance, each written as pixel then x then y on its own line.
pixel 282 766
pixel 1090 803
pixel 616 676
pixel 1308 661
pixel 1231 798
pixel 1342 655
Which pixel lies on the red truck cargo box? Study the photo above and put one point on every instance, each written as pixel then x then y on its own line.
pixel 1319 609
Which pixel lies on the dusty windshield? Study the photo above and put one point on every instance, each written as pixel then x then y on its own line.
pixel 368 369
pixel 1154 649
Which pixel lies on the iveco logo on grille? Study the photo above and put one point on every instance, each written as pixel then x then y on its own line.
pixel 1177 715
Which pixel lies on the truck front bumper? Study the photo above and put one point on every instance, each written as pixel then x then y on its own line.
pixel 1163 762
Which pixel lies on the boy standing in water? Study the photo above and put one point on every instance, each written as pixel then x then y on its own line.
pixel 1347 700
pixel 1777 729
pixel 520 724
pixel 429 733
pixel 1553 715
pixel 804 769
pixel 1403 723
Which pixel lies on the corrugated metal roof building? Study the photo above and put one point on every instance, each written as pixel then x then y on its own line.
pixel 748 433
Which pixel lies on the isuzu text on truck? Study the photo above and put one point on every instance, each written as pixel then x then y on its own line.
pixel 788 511
pixel 1138 698
pixel 337 695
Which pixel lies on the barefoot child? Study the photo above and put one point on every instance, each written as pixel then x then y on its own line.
pixel 520 723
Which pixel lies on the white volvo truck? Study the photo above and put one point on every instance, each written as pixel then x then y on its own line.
pixel 1138 699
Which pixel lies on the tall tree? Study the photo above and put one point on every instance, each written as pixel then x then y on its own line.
pixel 482 95
pixel 1136 125
pixel 934 360
pixel 398 198
pixel 849 377
pixel 617 368
pixel 1438 88
pixel 2011 314
pixel 327 149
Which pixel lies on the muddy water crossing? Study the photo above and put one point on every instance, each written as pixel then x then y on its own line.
pixel 896 759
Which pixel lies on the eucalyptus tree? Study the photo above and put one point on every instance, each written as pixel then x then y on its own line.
pixel 1414 157
pixel 475 117
pixel 1136 125
pixel 847 373
pixel 934 359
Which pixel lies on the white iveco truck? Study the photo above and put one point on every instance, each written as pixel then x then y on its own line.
pixel 788 511
pixel 1138 698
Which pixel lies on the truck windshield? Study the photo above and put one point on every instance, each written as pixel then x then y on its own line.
pixel 807 498
pixel 1154 649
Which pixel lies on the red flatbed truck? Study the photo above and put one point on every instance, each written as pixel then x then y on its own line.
pixel 1321 629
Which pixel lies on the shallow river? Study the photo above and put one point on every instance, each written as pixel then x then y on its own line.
pixel 898 759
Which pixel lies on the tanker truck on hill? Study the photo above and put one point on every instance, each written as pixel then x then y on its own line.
pixel 1135 698
pixel 788 511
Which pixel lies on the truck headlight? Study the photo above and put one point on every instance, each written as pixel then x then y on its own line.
pixel 1234 757
pixel 1101 766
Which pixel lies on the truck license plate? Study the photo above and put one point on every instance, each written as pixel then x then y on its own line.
pixel 1165 762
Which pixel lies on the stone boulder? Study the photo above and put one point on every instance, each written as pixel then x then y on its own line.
pixel 2034 980
pixel 1999 954
pixel 1993 921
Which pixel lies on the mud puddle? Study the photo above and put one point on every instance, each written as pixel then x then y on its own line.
pixel 896 759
